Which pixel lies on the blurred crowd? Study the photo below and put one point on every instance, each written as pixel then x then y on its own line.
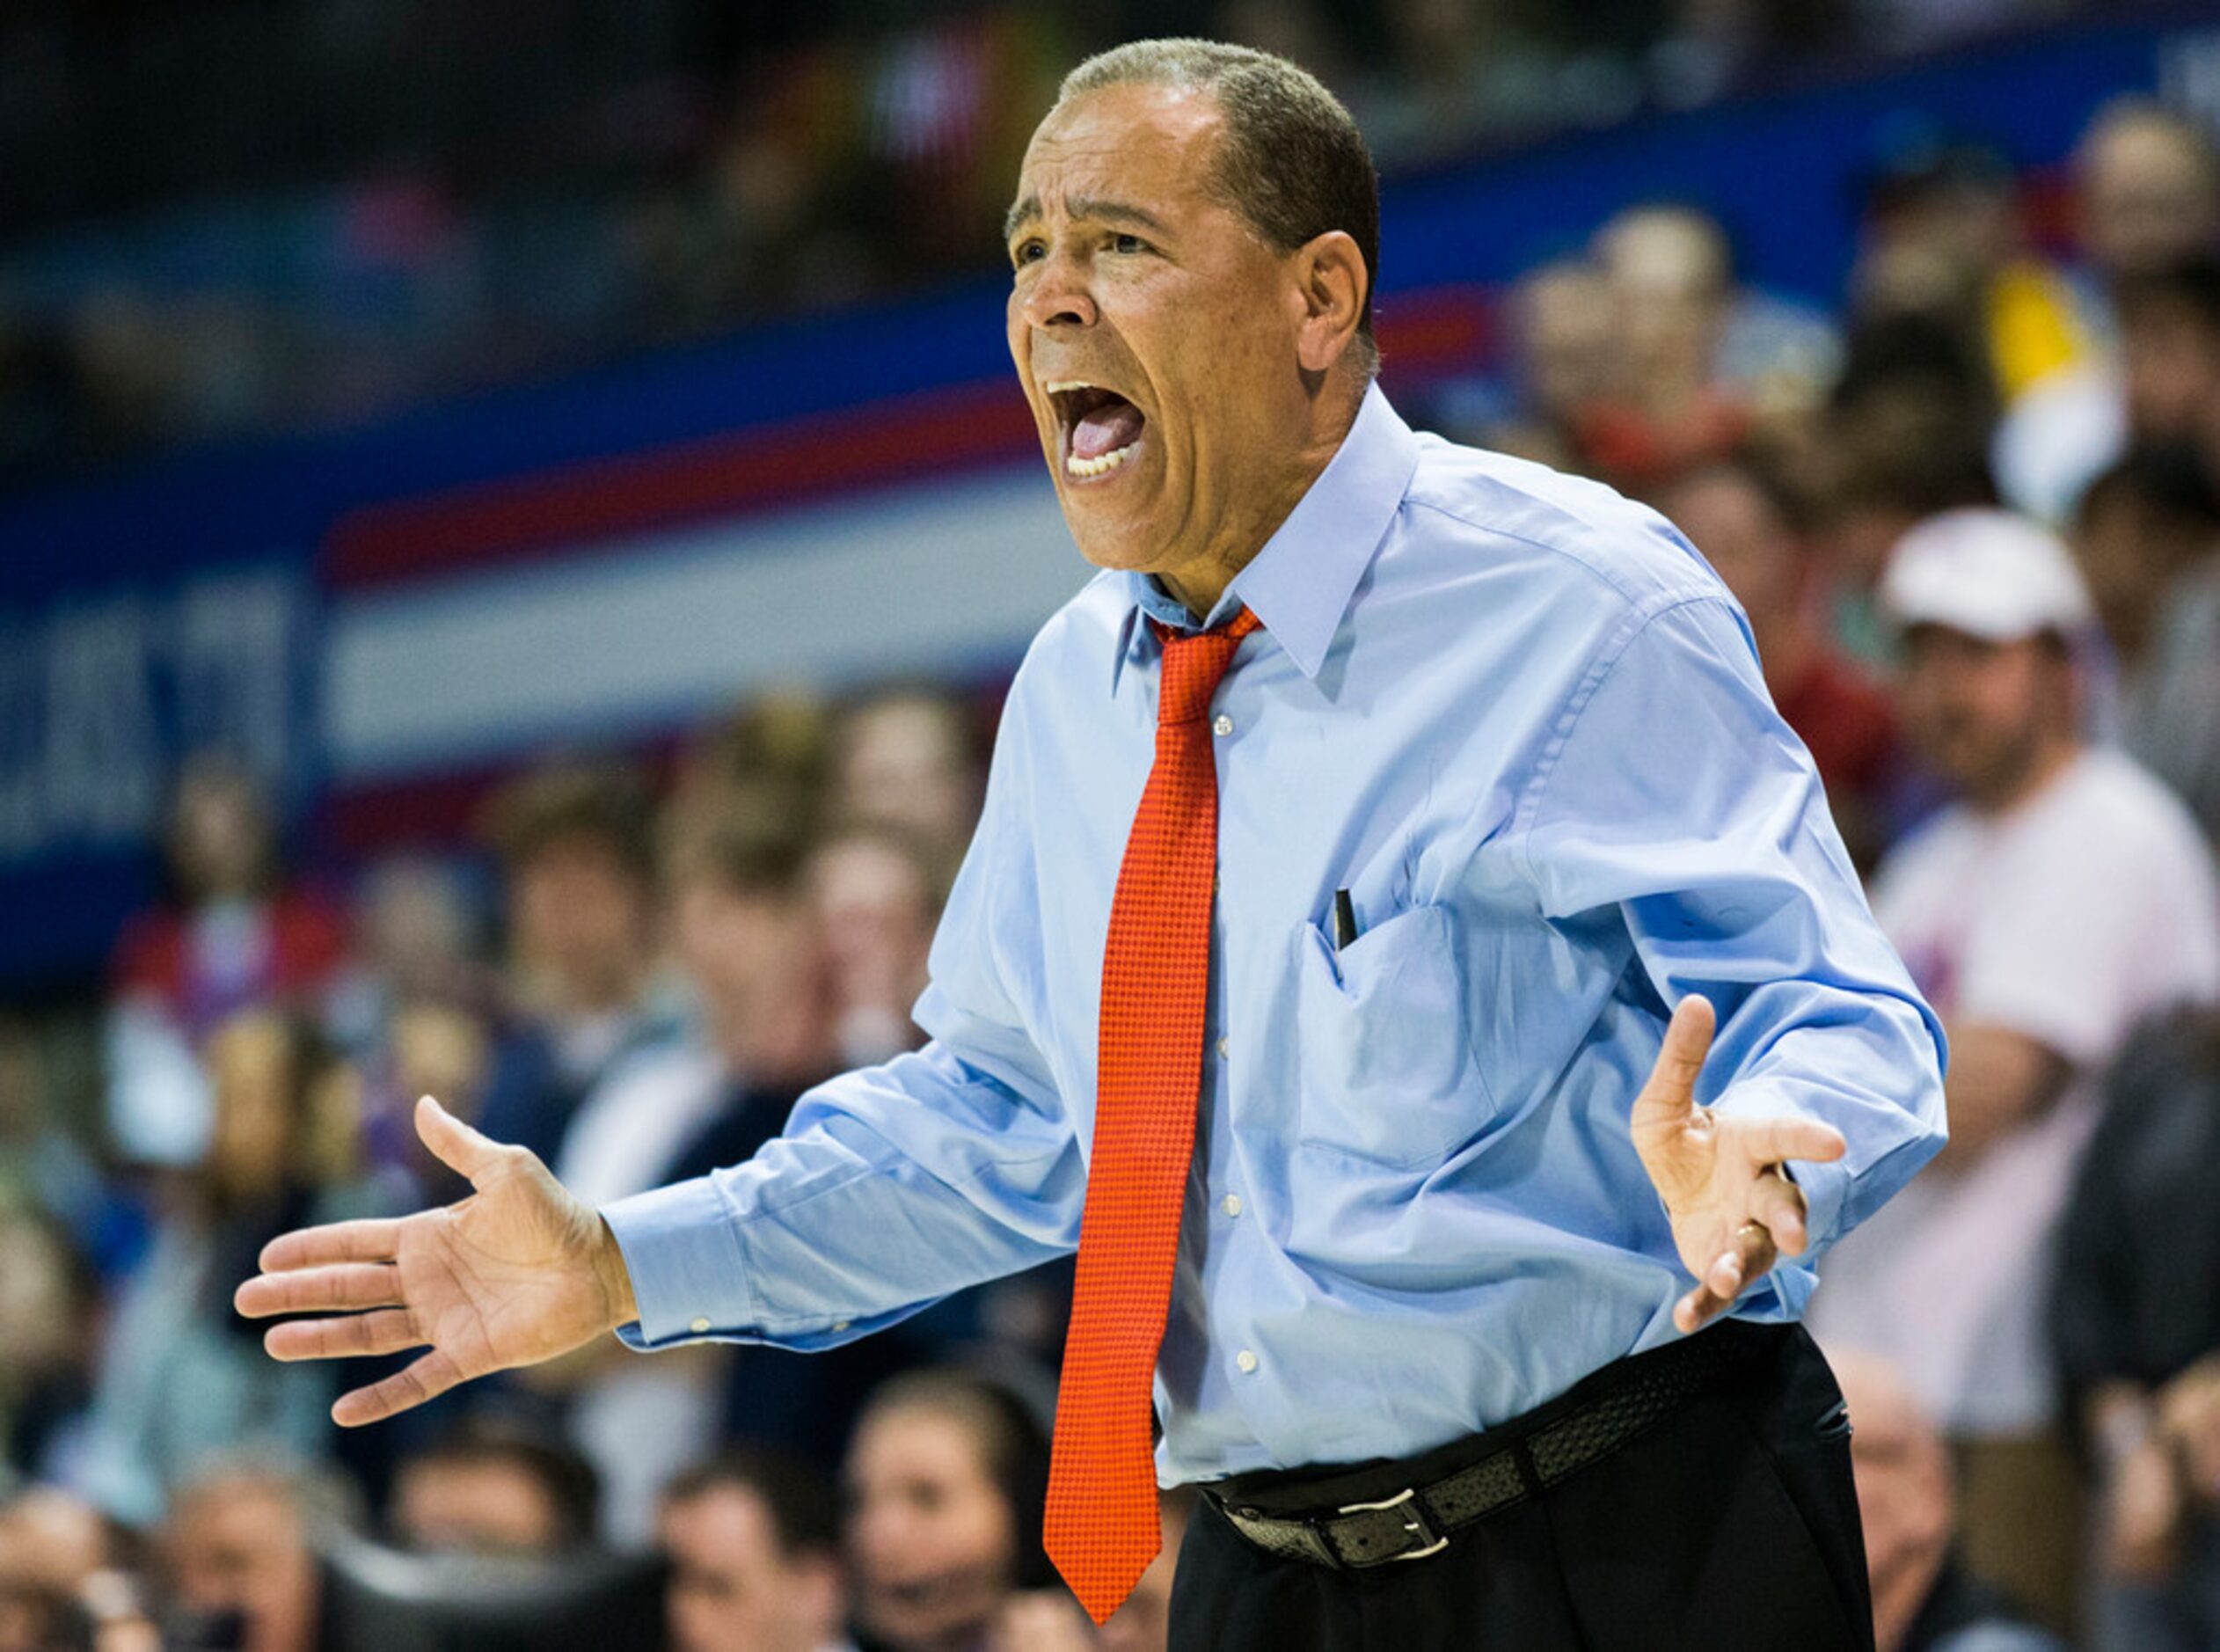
pixel 249 218
pixel 1974 522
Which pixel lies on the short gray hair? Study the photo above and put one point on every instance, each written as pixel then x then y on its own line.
pixel 1294 164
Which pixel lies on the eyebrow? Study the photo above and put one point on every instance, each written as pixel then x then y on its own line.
pixel 1085 207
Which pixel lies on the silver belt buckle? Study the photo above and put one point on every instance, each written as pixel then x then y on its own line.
pixel 1414 1521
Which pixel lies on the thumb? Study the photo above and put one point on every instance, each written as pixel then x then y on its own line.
pixel 1670 1097
pixel 453 1143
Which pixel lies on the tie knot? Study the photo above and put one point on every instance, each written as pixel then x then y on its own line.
pixel 1194 663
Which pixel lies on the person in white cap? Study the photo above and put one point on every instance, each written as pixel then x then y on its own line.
pixel 2060 897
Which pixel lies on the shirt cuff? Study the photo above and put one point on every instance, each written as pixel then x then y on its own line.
pixel 1825 1187
pixel 1824 1183
pixel 682 1254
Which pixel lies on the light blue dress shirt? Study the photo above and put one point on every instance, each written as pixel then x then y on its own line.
pixel 1522 722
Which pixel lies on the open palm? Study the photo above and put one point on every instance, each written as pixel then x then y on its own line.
pixel 1734 1213
pixel 518 1272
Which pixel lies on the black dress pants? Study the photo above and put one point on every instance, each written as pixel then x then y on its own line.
pixel 1731 1525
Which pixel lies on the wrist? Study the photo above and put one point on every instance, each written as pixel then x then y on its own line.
pixel 615 1278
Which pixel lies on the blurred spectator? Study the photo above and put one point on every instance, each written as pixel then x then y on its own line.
pixel 234 933
pixel 2147 198
pixel 2148 537
pixel 2170 349
pixel 497 1488
pixel 49 1310
pixel 577 848
pixel 1564 329
pixel 946 1480
pixel 2146 188
pixel 239 1555
pixel 2065 894
pixel 48 1165
pixel 910 757
pixel 1741 515
pixel 1453 72
pixel 1923 1600
pixel 2148 519
pixel 64 1582
pixel 1050 1621
pixel 413 1011
pixel 745 935
pixel 181 1375
pixel 416 942
pixel 429 1047
pixel 2137 1321
pixel 768 760
pixel 1905 436
pixel 1668 409
pixel 878 891
pixel 754 1544
pixel 1944 239
pixel 1143 1623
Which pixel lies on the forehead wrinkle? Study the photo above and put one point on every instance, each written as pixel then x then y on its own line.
pixel 1083 208
pixel 1080 138
pixel 1112 212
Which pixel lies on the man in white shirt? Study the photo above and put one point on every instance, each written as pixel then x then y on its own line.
pixel 2063 896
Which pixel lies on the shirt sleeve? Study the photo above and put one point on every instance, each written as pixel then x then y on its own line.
pixel 895 1185
pixel 1679 798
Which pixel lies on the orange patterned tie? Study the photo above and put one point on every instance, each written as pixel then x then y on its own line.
pixel 1102 1528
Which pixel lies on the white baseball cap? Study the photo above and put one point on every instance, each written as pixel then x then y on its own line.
pixel 1987 573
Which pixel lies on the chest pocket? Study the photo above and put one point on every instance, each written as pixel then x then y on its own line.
pixel 1386 1064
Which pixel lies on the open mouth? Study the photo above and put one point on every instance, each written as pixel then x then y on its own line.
pixel 1101 429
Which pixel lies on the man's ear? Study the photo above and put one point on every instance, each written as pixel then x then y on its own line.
pixel 1333 283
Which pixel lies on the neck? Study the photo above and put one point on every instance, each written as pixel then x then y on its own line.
pixel 1200 580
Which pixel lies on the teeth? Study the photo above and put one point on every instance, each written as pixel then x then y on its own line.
pixel 1064 384
pixel 1101 465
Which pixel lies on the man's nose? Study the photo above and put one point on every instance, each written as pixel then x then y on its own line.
pixel 1059 295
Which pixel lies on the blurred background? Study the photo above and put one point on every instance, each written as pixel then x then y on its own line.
pixel 515 524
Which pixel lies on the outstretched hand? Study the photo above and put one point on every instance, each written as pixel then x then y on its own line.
pixel 518 1272
pixel 1734 1213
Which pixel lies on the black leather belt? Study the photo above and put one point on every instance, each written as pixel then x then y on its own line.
pixel 1597 1416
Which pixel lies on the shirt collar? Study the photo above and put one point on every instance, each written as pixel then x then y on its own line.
pixel 1300 583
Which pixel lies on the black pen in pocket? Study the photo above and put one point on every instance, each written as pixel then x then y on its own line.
pixel 1344 919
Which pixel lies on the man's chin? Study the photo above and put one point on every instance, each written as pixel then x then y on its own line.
pixel 1120 543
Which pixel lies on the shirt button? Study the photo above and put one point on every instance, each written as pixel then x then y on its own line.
pixel 1245 1360
pixel 1231 1204
pixel 1223 725
pixel 1223 1051
pixel 698 1326
pixel 840 1325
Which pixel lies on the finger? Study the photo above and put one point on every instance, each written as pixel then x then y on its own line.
pixel 1770 1140
pixel 1680 1058
pixel 340 1288
pixel 387 1331
pixel 1779 1204
pixel 1748 1255
pixel 455 1143
pixel 372 1240
pixel 425 1379
pixel 1699 1306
